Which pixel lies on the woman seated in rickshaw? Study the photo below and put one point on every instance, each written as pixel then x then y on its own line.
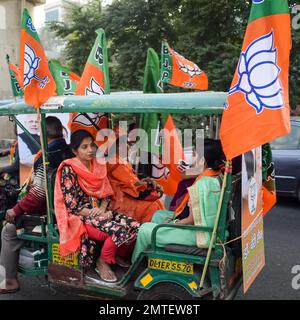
pixel 82 196
pixel 136 198
pixel 198 205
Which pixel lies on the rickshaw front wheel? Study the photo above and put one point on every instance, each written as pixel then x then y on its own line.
pixel 166 291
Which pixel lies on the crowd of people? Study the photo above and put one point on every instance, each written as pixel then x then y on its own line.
pixel 103 202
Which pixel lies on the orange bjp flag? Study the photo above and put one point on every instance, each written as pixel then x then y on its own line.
pixel 172 163
pixel 94 81
pixel 37 81
pixel 257 110
pixel 178 71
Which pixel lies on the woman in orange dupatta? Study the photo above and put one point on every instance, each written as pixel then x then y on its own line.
pixel 82 196
pixel 136 198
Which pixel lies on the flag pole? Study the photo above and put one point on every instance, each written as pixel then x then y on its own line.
pixel 43 140
pixel 227 170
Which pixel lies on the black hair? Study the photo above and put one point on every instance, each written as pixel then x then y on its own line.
pixel 250 164
pixel 77 137
pixel 54 128
pixel 213 154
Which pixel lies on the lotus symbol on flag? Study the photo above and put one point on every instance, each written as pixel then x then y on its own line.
pixel 258 72
pixel 88 119
pixel 31 65
pixel 94 89
pixel 191 71
pixel 160 171
pixel 30 25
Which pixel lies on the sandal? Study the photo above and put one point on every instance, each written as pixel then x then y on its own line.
pixel 106 267
pixel 113 279
pixel 7 291
pixel 122 263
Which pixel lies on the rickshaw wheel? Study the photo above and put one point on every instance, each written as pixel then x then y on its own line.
pixel 166 291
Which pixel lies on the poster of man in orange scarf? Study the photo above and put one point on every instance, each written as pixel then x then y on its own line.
pixel 252 217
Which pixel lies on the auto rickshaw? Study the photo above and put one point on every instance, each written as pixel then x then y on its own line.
pixel 172 272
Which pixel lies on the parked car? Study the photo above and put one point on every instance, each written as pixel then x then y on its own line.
pixel 286 156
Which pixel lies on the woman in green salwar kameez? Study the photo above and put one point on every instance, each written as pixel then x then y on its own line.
pixel 202 199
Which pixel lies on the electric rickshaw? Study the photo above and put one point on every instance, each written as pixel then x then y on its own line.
pixel 172 272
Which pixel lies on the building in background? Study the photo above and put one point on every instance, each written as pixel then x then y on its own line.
pixel 10 28
pixel 53 11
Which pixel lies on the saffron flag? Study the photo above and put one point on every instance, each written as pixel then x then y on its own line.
pixel 94 81
pixel 172 158
pixel 180 72
pixel 37 81
pixel 257 110
pixel 66 81
pixel 164 170
pixel 268 179
pixel 15 79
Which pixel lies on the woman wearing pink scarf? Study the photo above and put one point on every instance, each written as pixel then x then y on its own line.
pixel 82 196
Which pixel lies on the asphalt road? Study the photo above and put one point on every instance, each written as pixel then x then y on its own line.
pixel 282 242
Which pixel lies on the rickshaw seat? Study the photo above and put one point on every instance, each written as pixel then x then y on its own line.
pixel 35 220
pixel 190 250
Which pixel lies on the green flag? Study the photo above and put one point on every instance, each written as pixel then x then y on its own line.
pixel 14 73
pixel 149 121
pixel 66 81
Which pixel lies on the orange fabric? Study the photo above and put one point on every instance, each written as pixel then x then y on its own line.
pixel 90 72
pixel 17 72
pixel 74 76
pixel 183 79
pixel 206 173
pixel 244 128
pixel 91 83
pixel 126 187
pixel 36 93
pixel 269 200
pixel 95 184
pixel 12 152
pixel 172 154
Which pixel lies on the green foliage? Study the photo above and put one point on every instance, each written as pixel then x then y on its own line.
pixel 78 31
pixel 132 27
pixel 210 33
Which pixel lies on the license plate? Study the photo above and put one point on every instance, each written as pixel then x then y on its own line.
pixel 69 261
pixel 171 266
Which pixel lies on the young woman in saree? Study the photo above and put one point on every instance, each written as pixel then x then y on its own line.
pixel 82 196
pixel 198 205
pixel 137 198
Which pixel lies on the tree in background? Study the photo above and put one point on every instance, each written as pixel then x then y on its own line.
pixel 295 68
pixel 209 33
pixel 133 26
pixel 78 32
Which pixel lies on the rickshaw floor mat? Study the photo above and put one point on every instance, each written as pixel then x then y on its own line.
pixel 186 249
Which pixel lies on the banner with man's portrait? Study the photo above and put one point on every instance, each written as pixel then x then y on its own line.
pixel 30 146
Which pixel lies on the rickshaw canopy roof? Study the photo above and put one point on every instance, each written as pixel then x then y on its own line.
pixel 205 103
